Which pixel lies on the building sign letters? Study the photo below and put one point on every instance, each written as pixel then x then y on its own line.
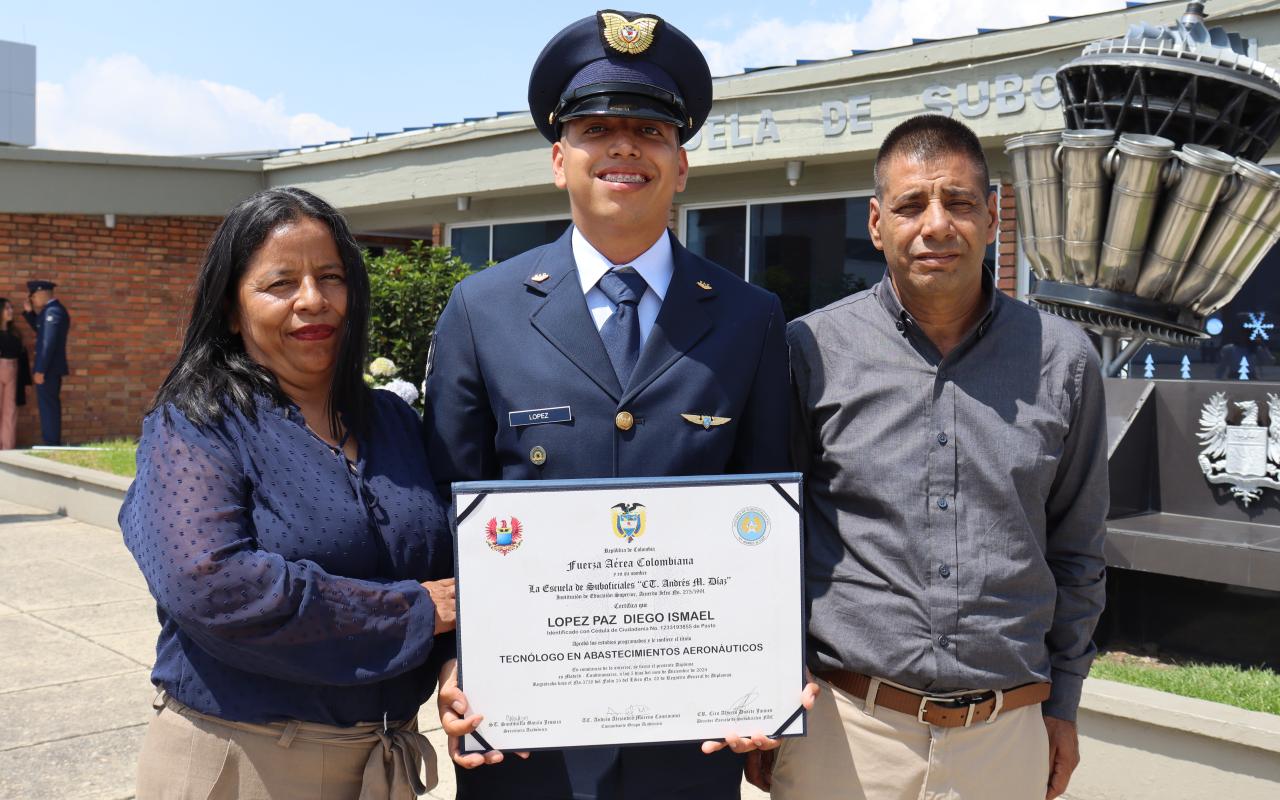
pixel 1006 93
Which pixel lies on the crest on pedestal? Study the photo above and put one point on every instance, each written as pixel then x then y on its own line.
pixel 1244 456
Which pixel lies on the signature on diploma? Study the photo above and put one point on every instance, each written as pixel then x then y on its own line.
pixel 629 711
pixel 745 701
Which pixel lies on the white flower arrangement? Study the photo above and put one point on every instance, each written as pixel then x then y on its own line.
pixel 383 368
pixel 403 389
pixel 382 375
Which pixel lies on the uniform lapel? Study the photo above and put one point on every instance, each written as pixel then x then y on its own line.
pixel 563 317
pixel 683 320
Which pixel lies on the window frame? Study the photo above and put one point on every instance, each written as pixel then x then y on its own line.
pixel 489 223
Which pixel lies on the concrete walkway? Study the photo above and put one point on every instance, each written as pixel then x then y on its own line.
pixel 77 639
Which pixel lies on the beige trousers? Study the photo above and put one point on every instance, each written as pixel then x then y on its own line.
pixel 887 755
pixel 8 403
pixel 190 756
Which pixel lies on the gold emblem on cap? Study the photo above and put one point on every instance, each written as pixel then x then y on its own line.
pixel 538 456
pixel 630 36
pixel 624 421
pixel 540 277
pixel 704 286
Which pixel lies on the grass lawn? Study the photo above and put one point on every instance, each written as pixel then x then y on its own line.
pixel 1253 689
pixel 116 459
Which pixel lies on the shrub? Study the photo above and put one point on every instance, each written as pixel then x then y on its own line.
pixel 408 290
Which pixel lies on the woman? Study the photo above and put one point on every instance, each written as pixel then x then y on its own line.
pixel 283 519
pixel 15 376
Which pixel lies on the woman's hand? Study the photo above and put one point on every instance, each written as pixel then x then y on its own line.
pixel 443 596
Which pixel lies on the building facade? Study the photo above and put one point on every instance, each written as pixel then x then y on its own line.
pixel 778 191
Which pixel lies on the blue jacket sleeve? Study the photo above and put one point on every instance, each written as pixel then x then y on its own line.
pixel 764 435
pixel 50 333
pixel 458 423
pixel 248 607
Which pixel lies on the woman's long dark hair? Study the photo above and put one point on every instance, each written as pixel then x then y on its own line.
pixel 213 373
pixel 8 327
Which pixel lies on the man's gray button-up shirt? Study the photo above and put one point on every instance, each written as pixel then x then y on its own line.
pixel 990 462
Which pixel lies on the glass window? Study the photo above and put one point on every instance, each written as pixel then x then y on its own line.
pixel 471 244
pixel 719 235
pixel 814 252
pixel 512 239
pixel 809 252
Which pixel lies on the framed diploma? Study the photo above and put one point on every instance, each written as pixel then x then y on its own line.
pixel 630 611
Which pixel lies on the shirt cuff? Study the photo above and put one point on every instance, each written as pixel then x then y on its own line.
pixel 1064 698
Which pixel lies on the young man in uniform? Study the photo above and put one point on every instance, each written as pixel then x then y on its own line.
pixel 51 322
pixel 601 354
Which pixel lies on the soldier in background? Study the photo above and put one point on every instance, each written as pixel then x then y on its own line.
pixel 51 322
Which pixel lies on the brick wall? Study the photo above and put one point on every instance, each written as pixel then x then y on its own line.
pixel 1006 242
pixel 128 292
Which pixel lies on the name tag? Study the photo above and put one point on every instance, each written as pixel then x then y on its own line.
pixel 540 416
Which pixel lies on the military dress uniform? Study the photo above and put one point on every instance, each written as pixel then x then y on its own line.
pixel 517 345
pixel 51 325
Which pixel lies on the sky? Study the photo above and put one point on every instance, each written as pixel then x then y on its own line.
pixel 185 78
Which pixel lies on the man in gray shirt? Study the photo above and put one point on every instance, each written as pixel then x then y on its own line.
pixel 954 449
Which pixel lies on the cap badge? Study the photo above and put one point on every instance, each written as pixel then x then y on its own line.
pixel 632 36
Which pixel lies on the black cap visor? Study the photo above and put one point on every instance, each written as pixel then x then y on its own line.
pixel 638 101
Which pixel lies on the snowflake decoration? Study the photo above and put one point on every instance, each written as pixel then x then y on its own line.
pixel 1258 326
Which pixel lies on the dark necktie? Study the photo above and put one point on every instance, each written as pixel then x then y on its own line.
pixel 621 332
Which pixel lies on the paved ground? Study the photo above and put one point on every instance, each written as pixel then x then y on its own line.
pixel 77 638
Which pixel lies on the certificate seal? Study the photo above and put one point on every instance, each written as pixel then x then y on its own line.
pixel 751 526
pixel 504 535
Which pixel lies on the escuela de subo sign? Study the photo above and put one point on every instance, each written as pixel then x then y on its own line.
pixel 1004 94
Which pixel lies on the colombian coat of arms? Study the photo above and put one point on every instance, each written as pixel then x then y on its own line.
pixel 1244 456
pixel 628 520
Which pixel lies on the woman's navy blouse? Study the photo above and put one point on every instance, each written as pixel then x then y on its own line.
pixel 287 581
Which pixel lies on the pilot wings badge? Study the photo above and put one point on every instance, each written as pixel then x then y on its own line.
pixel 1244 456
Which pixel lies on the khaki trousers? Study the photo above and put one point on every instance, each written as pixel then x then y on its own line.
pixel 888 755
pixel 191 756
pixel 8 403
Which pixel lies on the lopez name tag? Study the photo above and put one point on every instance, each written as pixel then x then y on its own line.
pixel 540 416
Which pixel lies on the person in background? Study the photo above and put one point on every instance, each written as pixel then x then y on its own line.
pixel 15 376
pixel 51 322
pixel 286 522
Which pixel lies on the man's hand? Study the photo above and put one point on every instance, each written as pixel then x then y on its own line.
pixel 758 741
pixel 27 307
pixel 759 769
pixel 442 595
pixel 452 704
pixel 1064 754
pixel 38 377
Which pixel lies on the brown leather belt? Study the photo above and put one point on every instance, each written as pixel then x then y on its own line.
pixel 946 712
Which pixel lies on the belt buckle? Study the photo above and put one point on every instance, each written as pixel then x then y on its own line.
pixel 970 701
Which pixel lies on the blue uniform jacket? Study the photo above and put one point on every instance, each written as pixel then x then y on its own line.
pixel 508 343
pixel 51 326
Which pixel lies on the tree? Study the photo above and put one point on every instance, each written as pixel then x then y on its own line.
pixel 408 289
